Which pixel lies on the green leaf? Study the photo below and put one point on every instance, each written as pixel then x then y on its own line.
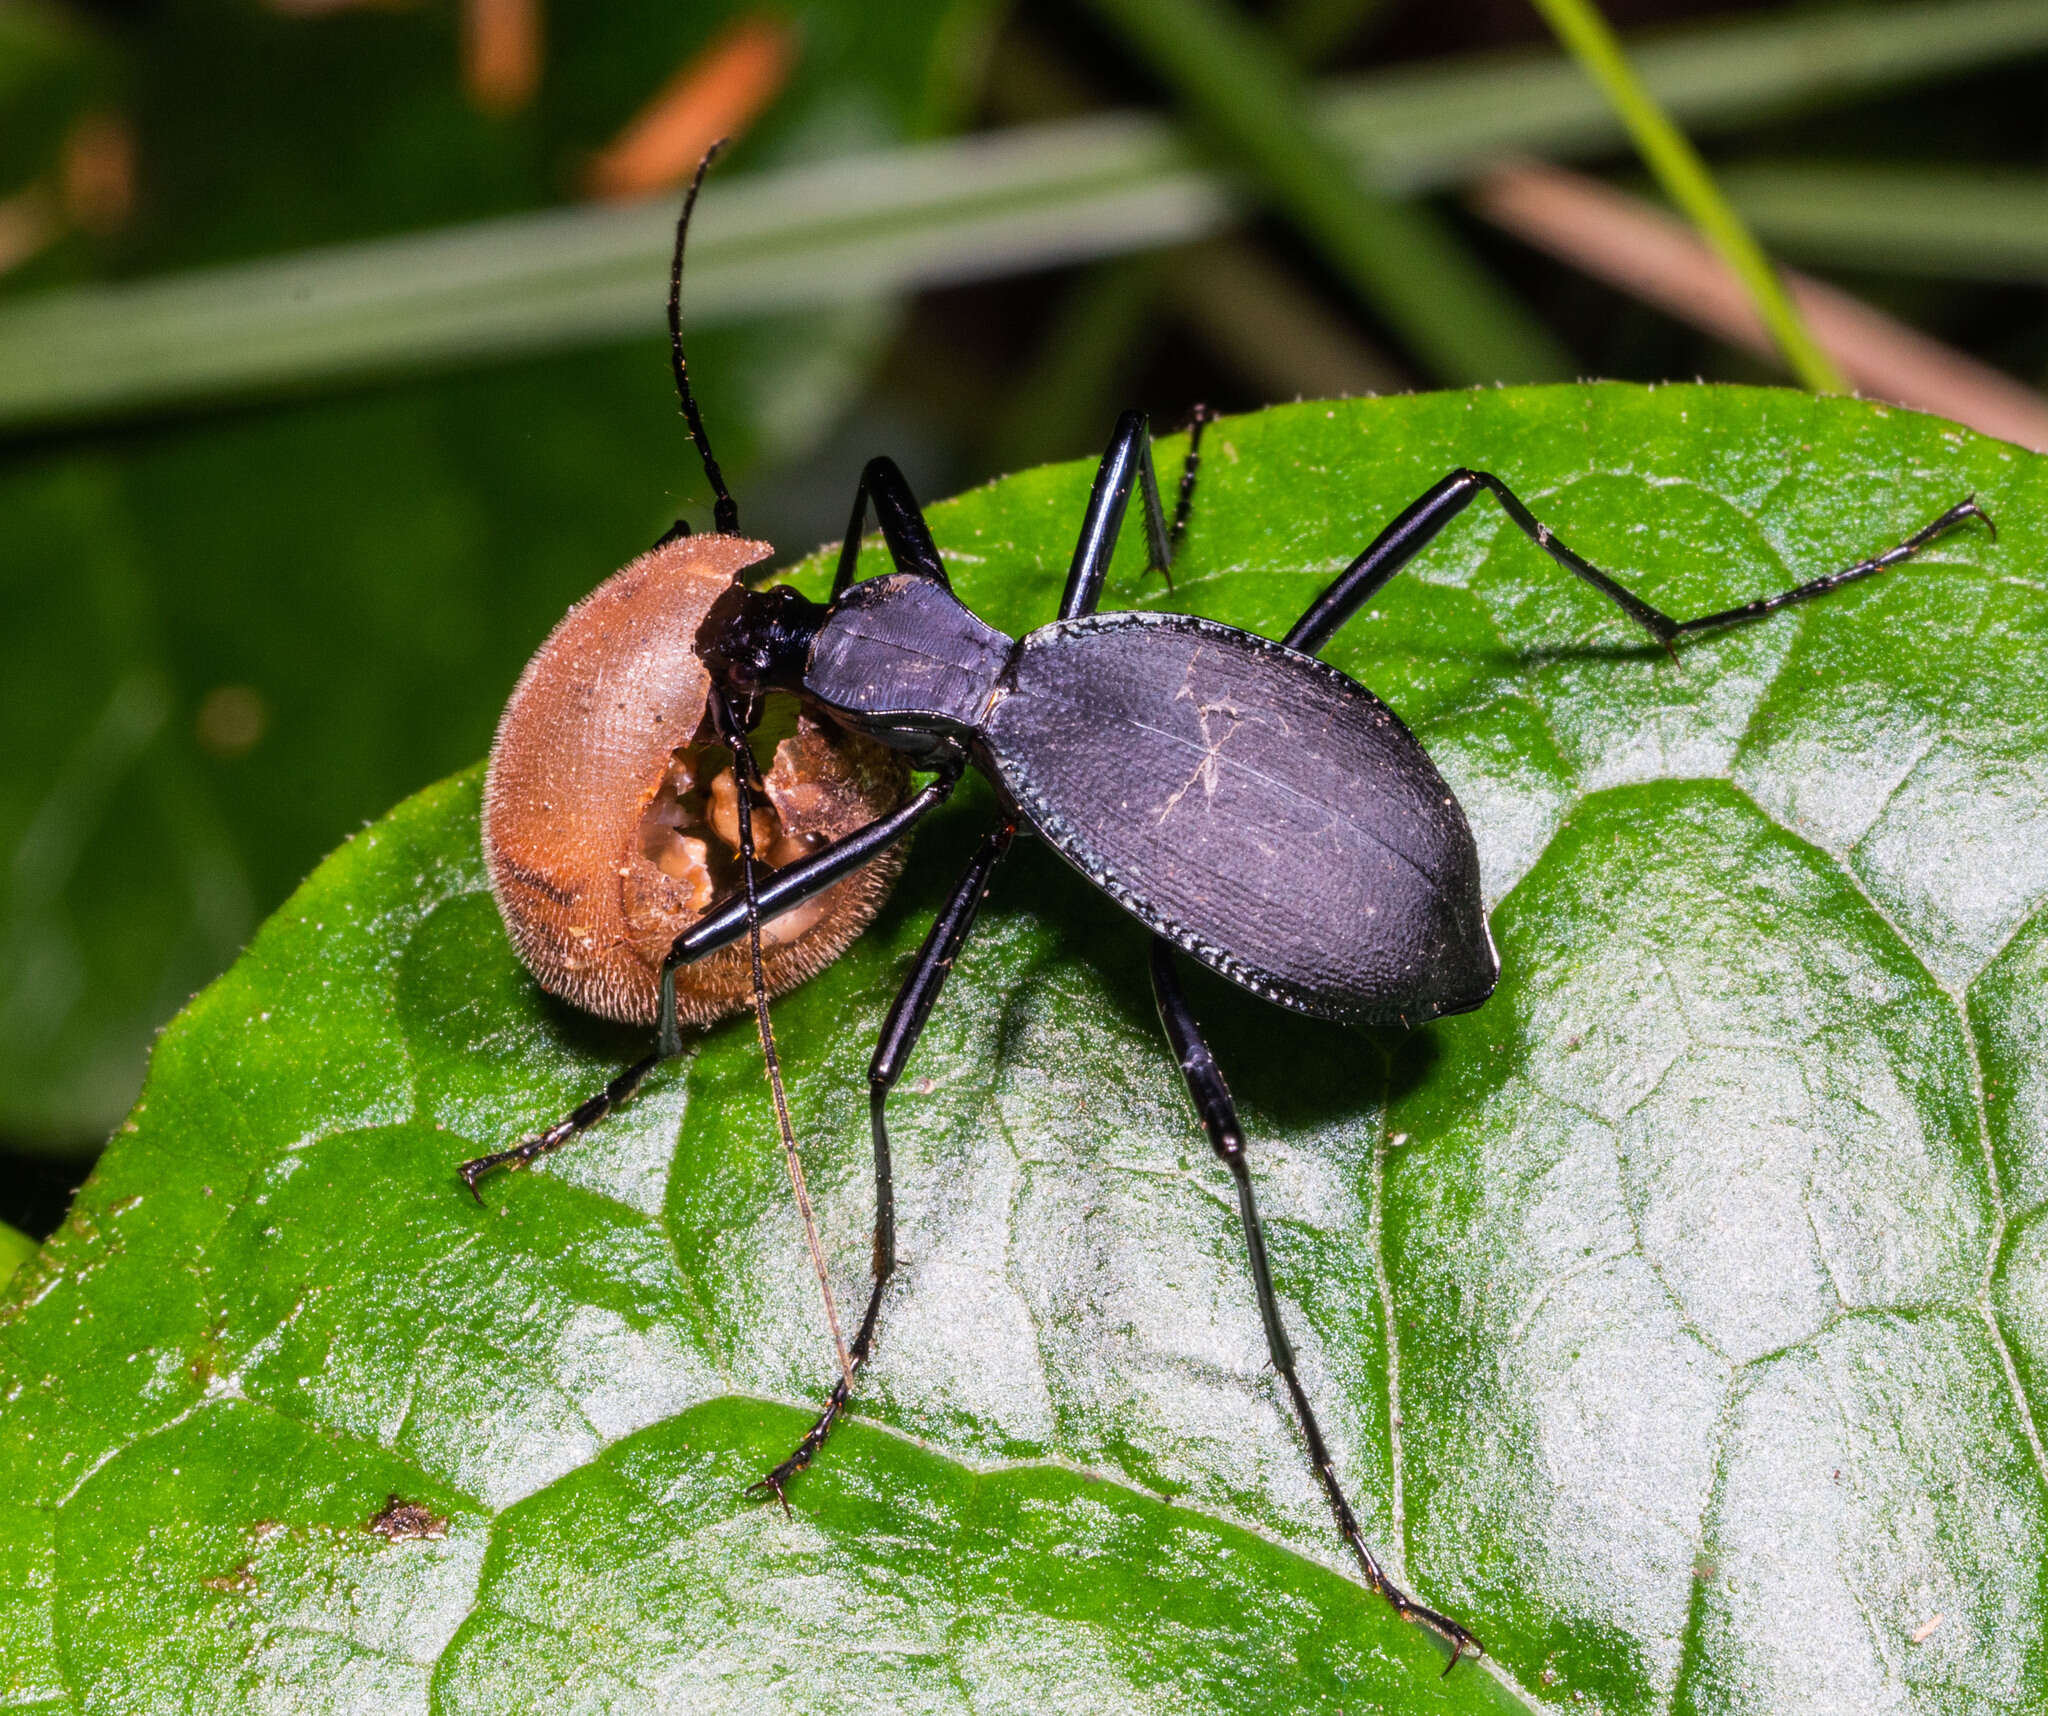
pixel 15 1249
pixel 1679 1319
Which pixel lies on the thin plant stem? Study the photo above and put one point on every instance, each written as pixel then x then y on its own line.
pixel 1679 168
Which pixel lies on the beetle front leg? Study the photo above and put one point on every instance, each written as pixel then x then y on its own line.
pixel 784 891
pixel 904 531
pixel 1219 1120
pixel 900 1031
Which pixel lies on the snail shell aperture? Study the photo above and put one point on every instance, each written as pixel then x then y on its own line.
pixel 610 819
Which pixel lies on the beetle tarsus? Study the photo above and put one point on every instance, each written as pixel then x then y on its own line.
pixel 776 1482
pixel 1462 1640
pixel 1198 421
pixel 1961 513
pixel 579 1119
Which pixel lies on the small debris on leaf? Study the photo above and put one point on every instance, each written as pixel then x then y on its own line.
pixel 403 1521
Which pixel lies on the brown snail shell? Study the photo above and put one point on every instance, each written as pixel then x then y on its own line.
pixel 606 831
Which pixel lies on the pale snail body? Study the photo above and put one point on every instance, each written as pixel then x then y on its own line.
pixel 602 841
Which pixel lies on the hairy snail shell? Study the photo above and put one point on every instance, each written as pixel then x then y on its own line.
pixel 610 817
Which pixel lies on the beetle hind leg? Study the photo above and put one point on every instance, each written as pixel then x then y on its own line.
pixel 1417 526
pixel 900 1031
pixel 1226 1136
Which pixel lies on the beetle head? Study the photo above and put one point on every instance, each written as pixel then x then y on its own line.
pixel 758 640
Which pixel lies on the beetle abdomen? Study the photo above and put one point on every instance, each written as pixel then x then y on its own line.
pixel 606 834
pixel 1267 814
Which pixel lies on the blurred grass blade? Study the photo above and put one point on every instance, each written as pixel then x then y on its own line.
pixel 38 45
pixel 1669 154
pixel 1941 221
pixel 931 214
pixel 1402 261
pixel 1431 125
pixel 1102 332
pixel 1256 315
pixel 1315 30
pixel 1652 255
pixel 834 234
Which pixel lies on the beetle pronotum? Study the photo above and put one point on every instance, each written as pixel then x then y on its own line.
pixel 1156 753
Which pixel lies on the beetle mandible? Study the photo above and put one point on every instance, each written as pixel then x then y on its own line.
pixel 1156 753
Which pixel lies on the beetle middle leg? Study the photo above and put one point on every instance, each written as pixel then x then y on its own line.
pixel 1127 459
pixel 1226 1136
pixel 900 1031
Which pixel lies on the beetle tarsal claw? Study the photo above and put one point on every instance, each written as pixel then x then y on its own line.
pixel 513 1159
pixel 1462 1642
pixel 476 1168
pixel 771 1485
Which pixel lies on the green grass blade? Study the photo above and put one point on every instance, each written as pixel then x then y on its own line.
pixel 1313 30
pixel 1937 221
pixel 909 218
pixel 1669 154
pixel 1402 261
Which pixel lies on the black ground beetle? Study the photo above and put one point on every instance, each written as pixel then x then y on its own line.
pixel 1256 809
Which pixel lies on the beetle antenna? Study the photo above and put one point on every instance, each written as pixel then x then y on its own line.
pixel 725 511
pixel 742 769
